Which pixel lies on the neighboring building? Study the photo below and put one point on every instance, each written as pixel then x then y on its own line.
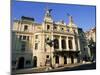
pixel 46 44
pixel 91 34
pixel 85 52
pixel 91 37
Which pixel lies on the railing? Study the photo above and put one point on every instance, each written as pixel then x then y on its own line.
pixel 65 50
pixel 55 31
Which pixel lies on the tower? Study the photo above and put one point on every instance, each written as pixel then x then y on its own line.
pixel 48 21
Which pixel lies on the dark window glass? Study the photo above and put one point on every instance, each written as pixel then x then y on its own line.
pixel 20 37
pixel 55 28
pixel 28 62
pixel 24 37
pixel 48 27
pixel 63 44
pixel 56 44
pixel 27 37
pixel 25 28
pixel 57 59
pixel 13 62
pixel 36 36
pixel 47 56
pixel 36 45
pixel 70 44
pixel 62 28
pixel 23 45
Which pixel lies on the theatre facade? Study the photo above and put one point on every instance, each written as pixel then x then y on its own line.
pixel 47 44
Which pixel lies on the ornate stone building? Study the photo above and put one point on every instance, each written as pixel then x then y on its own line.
pixel 48 44
pixel 91 34
pixel 91 37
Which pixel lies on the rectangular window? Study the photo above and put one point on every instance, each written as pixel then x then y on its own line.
pixel 28 62
pixel 36 45
pixel 36 36
pixel 23 45
pixel 62 29
pixel 47 56
pixel 27 37
pixel 25 27
pixel 13 62
pixel 48 27
pixel 20 37
pixel 24 37
pixel 55 28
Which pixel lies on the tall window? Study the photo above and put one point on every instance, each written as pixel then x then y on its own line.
pixel 62 29
pixel 55 28
pixel 28 62
pixel 56 44
pixel 48 27
pixel 36 45
pixel 36 36
pixel 57 59
pixel 70 44
pixel 25 27
pixel 24 37
pixel 27 37
pixel 63 44
pixel 23 46
pixel 20 37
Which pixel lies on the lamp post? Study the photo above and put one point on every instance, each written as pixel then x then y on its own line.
pixel 50 43
pixel 92 46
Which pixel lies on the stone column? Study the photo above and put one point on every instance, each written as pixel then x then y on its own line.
pixel 67 46
pixel 61 60
pixel 78 43
pixel 75 60
pixel 53 61
pixel 74 44
pixel 68 60
pixel 60 48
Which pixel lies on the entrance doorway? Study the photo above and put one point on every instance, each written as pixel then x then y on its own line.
pixel 57 59
pixel 65 60
pixel 72 59
pixel 35 61
pixel 21 63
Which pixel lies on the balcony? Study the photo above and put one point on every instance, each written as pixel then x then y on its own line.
pixel 65 52
pixel 54 31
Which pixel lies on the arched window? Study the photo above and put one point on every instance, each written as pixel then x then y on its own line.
pixel 63 43
pixel 70 44
pixel 56 44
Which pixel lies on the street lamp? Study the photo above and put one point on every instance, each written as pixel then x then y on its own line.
pixel 50 43
pixel 92 46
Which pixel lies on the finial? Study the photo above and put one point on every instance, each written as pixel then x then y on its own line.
pixel 70 18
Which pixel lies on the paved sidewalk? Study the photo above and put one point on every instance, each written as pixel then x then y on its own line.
pixel 47 69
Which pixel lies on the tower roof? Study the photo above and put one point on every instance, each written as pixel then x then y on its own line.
pixel 71 22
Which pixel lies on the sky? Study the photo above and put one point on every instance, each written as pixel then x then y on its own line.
pixel 84 16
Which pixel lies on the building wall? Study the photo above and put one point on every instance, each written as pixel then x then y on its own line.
pixel 38 49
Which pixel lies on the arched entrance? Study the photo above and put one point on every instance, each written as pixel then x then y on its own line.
pixel 72 59
pixel 56 44
pixel 65 60
pixel 21 63
pixel 35 61
pixel 57 59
